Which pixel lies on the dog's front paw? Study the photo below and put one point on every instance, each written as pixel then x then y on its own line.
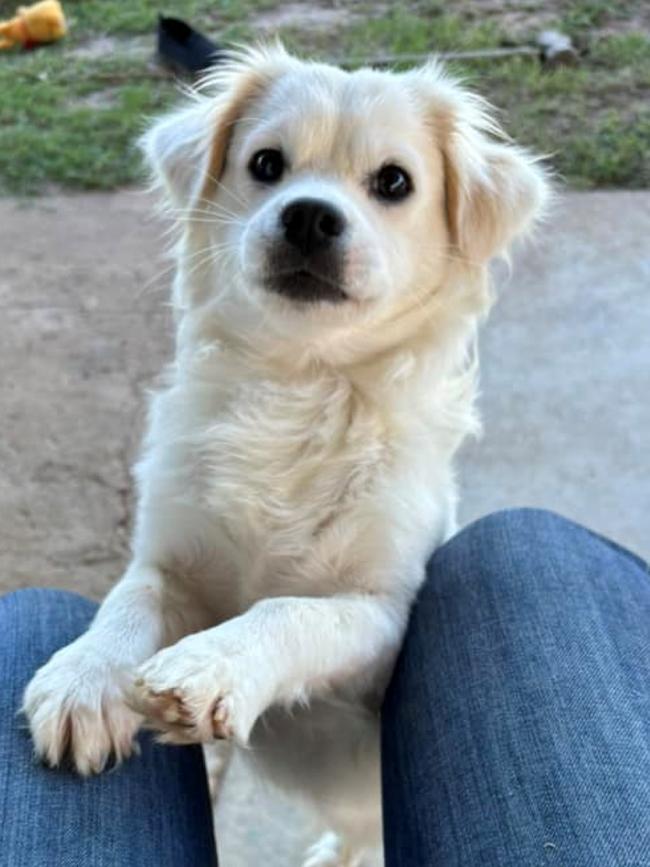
pixel 195 692
pixel 75 707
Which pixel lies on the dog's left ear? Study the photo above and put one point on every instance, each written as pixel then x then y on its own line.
pixel 494 190
pixel 187 149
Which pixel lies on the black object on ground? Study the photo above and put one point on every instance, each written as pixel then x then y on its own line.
pixel 183 49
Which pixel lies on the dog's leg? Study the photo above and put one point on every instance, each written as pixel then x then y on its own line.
pixel 217 759
pixel 326 756
pixel 216 683
pixel 74 703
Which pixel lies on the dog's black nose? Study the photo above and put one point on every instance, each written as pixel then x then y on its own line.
pixel 311 225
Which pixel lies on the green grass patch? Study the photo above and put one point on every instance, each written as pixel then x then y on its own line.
pixel 593 122
pixel 581 18
pixel 48 135
pixel 615 149
pixel 630 51
pixel 127 17
pixel 400 31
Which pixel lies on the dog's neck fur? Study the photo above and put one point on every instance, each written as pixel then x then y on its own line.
pixel 436 325
pixel 416 370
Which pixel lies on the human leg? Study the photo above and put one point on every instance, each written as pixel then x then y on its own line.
pixel 516 730
pixel 153 811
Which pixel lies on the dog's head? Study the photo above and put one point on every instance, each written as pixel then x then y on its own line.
pixel 319 198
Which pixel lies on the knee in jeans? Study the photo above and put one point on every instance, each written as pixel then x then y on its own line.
pixel 501 554
pixel 525 522
pixel 30 601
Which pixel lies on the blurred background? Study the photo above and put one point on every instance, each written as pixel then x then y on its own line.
pixel 85 328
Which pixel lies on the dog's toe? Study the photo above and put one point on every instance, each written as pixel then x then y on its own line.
pixel 76 711
pixel 183 714
pixel 222 718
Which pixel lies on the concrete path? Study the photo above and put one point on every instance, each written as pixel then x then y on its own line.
pixel 84 330
pixel 566 374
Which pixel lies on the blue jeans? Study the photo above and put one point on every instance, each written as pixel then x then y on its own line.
pixel 516 729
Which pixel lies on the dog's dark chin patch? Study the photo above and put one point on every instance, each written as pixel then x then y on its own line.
pixel 306 287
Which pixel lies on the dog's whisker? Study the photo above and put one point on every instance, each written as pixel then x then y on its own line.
pixel 204 205
pixel 169 268
pixel 214 203
pixel 213 221
pixel 222 187
pixel 211 256
pixel 188 212
pixel 218 207
pixel 149 285
pixel 206 212
pixel 209 248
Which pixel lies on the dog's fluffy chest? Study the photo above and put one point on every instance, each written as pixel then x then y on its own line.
pixel 284 461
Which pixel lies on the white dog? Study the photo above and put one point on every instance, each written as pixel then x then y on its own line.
pixel 297 470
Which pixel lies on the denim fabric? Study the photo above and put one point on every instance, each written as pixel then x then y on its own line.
pixel 153 811
pixel 516 730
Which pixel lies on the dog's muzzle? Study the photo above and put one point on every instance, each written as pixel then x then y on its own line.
pixel 306 261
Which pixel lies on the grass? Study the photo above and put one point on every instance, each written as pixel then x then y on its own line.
pixel 48 135
pixel 401 31
pixel 594 121
pixel 71 121
pixel 68 119
pixel 127 17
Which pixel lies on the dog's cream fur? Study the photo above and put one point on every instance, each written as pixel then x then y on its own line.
pixel 297 470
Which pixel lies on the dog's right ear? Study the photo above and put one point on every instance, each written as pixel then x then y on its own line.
pixel 175 149
pixel 187 149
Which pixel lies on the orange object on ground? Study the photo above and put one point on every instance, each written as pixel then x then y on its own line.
pixel 33 25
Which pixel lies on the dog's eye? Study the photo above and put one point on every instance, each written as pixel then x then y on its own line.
pixel 267 165
pixel 392 183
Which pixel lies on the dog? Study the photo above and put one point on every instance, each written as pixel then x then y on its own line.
pixel 297 472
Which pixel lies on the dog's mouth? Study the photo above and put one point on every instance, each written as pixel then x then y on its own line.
pixel 304 285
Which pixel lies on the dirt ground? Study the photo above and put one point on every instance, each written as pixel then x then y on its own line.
pixel 85 330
